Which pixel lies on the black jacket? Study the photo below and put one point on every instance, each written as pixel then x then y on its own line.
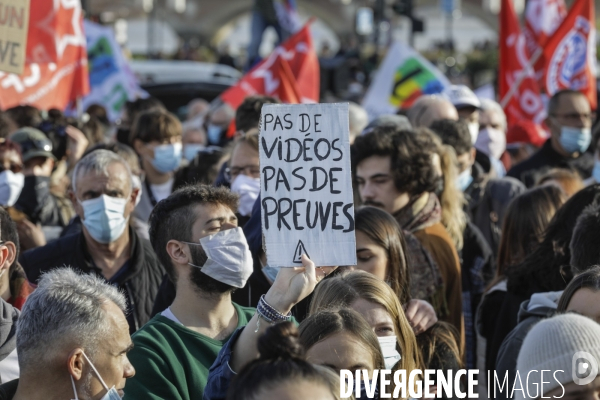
pixel 8 390
pixel 546 158
pixel 478 268
pixel 139 282
pixel 40 205
pixel 474 192
pixel 532 311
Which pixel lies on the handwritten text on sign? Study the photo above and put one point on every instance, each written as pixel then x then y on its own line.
pixel 14 22
pixel 306 187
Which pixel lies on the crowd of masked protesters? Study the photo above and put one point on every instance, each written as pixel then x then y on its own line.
pixel 132 262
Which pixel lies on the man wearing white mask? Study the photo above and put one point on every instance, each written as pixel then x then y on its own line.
pixel 11 176
pixel 570 121
pixel 243 173
pixel 104 198
pixel 156 138
pixel 195 234
pixel 72 341
pixel 492 134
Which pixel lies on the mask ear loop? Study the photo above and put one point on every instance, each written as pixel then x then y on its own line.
pixel 74 388
pixel 96 371
pixel 193 244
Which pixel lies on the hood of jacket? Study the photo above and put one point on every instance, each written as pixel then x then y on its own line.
pixel 539 305
pixel 8 329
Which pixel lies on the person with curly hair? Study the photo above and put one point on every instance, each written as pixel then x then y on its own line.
pixel 393 170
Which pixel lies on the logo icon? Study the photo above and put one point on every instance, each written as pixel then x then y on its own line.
pixel 584 368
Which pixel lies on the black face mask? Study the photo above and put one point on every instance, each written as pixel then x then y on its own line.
pixel 202 282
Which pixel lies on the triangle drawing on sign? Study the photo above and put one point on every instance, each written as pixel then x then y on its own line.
pixel 298 253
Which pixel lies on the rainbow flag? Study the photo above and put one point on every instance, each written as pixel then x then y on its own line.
pixel 403 76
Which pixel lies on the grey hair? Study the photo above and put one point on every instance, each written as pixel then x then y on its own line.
pixel 66 307
pixel 98 161
pixel 491 105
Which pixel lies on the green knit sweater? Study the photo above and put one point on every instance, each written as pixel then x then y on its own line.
pixel 172 361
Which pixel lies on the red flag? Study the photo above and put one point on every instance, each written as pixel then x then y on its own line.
pixel 266 78
pixel 570 54
pixel 56 68
pixel 525 101
pixel 542 17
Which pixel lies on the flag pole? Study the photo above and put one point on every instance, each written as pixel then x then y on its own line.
pixel 513 89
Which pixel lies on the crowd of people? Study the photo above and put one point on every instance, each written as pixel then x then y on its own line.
pixel 132 261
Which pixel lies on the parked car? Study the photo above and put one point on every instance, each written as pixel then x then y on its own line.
pixel 176 82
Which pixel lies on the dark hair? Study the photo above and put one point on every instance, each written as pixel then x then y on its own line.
pixel 173 217
pixel 25 116
pixel 554 102
pixel 247 115
pixel 281 360
pixel 589 279
pixel 411 165
pixel 384 231
pixel 585 249
pixel 155 125
pixel 203 169
pixel 94 130
pixel 525 222
pixel 8 230
pixel 439 347
pixel 453 133
pixel 325 323
pixel 133 108
pixel 543 269
pixel 6 126
pixel 99 112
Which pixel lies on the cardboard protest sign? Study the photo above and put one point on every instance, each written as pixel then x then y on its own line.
pixel 14 23
pixel 306 185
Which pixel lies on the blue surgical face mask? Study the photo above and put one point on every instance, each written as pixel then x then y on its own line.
pixel 190 150
pixel 103 217
pixel 575 140
pixel 111 394
pixel 213 132
pixel 596 171
pixel 270 272
pixel 167 157
pixel 464 179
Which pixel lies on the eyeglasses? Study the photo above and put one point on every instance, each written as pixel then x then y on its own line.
pixel 576 117
pixel 250 170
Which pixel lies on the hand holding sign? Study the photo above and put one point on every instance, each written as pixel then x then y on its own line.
pixel 306 188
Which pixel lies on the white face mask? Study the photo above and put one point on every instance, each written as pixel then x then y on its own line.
pixel 248 188
pixel 111 394
pixel 491 142
pixel 474 131
pixel 388 349
pixel 229 258
pixel 11 185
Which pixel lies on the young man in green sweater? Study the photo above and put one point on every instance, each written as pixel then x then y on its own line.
pixel 195 235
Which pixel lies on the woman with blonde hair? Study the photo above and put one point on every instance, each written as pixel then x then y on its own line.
pixel 379 306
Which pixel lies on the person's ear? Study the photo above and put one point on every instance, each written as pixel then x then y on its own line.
pixel 135 192
pixel 76 204
pixel 473 155
pixel 10 257
pixel 75 363
pixel 178 253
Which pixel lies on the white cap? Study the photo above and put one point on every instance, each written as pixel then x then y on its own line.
pixel 461 96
